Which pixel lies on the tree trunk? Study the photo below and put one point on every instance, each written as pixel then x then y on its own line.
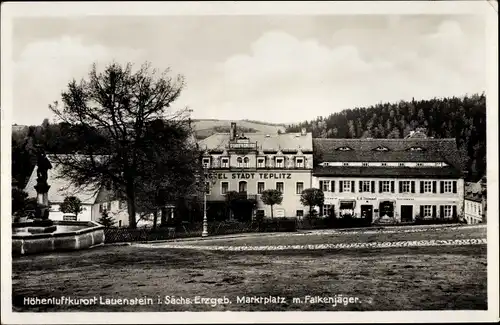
pixel 310 210
pixel 131 207
pixel 155 218
pixel 272 217
pixel 163 216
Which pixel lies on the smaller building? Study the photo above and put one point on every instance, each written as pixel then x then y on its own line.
pixel 475 202
pixel 93 202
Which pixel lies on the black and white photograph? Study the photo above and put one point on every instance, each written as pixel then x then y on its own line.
pixel 249 157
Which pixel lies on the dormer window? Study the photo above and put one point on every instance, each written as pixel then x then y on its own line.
pixel 420 164
pixel 416 149
pixel 224 162
pixel 206 162
pixel 246 161
pixel 384 164
pixel 381 148
pixel 345 164
pixel 401 164
pixel 279 162
pixel 344 149
pixel 365 164
pixel 300 162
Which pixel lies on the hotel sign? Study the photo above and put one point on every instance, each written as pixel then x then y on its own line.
pixel 249 176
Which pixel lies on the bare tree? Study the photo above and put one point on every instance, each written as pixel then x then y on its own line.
pixel 112 112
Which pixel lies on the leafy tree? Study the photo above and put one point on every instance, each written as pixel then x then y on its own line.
pixel 312 197
pixel 19 198
pixel 231 197
pixel 127 126
pixel 71 204
pixel 106 220
pixel 272 197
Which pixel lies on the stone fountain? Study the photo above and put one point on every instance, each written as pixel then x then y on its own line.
pixel 42 234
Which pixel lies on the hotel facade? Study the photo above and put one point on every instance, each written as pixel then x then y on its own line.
pixel 390 179
pixel 250 164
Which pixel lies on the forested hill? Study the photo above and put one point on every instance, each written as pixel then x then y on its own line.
pixel 461 118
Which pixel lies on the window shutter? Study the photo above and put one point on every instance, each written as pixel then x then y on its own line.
pixel 353 186
pixel 341 186
pixel 400 186
pixel 441 211
pixel 454 186
pixel 421 186
pixel 421 211
pixel 454 211
pixel 360 187
pixel 434 186
pixel 413 186
pixel 441 187
pixel 373 186
pixel 433 211
pixel 321 185
pixel 392 186
pixel 333 186
pixel 380 186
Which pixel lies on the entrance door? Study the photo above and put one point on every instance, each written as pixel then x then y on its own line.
pixel 367 213
pixel 406 213
pixel 386 209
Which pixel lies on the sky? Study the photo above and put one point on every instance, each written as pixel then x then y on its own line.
pixel 279 69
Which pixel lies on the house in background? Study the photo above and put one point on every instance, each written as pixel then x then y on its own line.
pixel 93 202
pixel 475 202
pixel 396 179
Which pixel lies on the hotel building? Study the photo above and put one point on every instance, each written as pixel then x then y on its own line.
pixel 389 179
pixel 250 164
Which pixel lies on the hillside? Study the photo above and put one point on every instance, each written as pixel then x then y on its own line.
pixel 206 127
pixel 461 118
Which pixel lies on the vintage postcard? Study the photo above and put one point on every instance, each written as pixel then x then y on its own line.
pixel 303 162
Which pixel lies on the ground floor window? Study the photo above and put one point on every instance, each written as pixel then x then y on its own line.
pixel 426 211
pixel 448 211
pixel 300 213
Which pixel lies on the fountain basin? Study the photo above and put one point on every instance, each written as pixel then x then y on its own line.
pixel 68 236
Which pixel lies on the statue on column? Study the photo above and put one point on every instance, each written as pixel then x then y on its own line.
pixel 42 187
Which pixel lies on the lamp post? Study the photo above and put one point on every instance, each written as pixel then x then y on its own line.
pixel 208 183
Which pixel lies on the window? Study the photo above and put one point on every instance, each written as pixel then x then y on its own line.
pixel 344 149
pixel 346 186
pixel 426 187
pixel 224 163
pixel 384 164
pixel 385 186
pixel 206 162
pixel 108 206
pixel 401 164
pixel 101 208
pixel 364 186
pixel 419 164
pixel 447 211
pixel 279 163
pixel 260 187
pixel 280 186
pixel 448 187
pixel 300 187
pixel 122 205
pixel 224 187
pixel 245 162
pixel 406 187
pixel 325 186
pixel 300 213
pixel 300 163
pixel 364 164
pixel 427 211
pixel 261 163
pixel 382 149
pixel 345 164
pixel 207 188
pixel 240 162
pixel 242 187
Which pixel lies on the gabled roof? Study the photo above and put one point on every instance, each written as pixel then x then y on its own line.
pixel 475 191
pixel 270 142
pixel 60 188
pixel 424 172
pixel 398 150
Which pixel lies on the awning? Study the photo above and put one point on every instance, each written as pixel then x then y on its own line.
pixel 347 204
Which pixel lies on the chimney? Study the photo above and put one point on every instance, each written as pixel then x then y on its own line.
pixel 303 131
pixel 233 131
